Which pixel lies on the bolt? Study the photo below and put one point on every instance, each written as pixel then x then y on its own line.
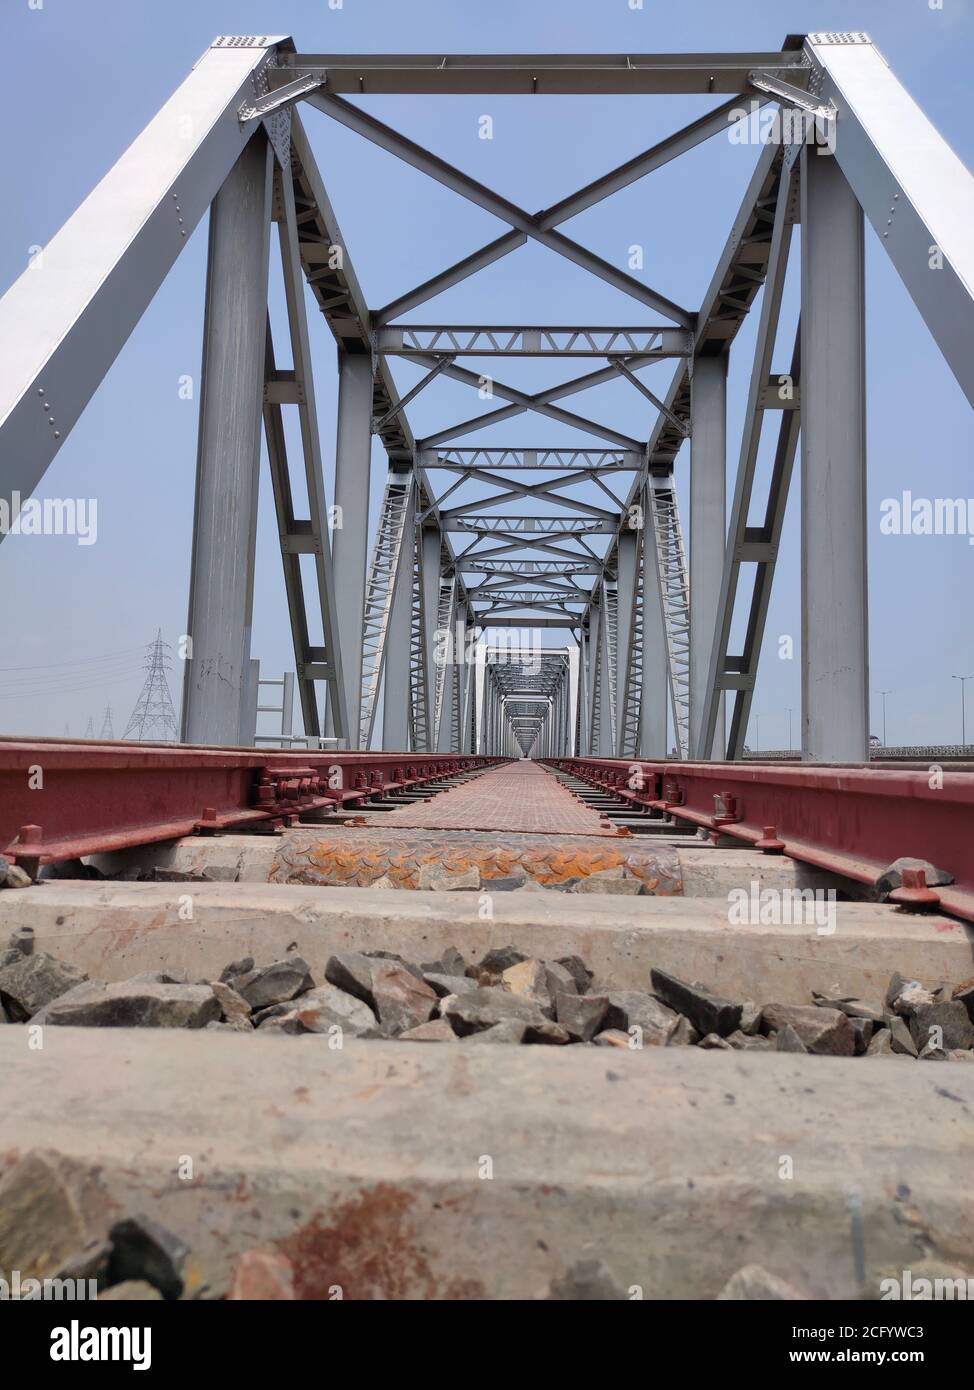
pixel 914 895
pixel 769 842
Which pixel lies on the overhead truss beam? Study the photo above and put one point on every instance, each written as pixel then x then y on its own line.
pixel 545 74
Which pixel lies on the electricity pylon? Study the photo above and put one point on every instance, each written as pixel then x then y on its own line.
pixel 106 724
pixel 154 719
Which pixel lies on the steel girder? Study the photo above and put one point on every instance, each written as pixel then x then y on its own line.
pixel 917 194
pixel 65 320
pixel 419 341
pixel 624 602
pixel 545 74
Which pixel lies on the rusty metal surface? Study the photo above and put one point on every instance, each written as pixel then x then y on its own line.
pixel 848 818
pixel 359 856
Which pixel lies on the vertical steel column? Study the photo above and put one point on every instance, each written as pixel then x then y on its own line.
pixel 654 694
pixel 446 650
pixel 605 748
pixel 431 542
pixel 462 677
pixel 595 665
pixel 488 736
pixel 396 717
pixel 228 453
pixel 708 527
pixel 580 748
pixel 479 696
pixel 581 697
pixel 835 650
pixel 627 576
pixel 350 536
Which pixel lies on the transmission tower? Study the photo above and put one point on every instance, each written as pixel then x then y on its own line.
pixel 154 719
pixel 90 727
pixel 106 724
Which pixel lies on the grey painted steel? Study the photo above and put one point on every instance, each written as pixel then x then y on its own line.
pixel 594 680
pixel 498 340
pixel 540 460
pixel 628 577
pixel 733 287
pixel 763 544
pixel 63 323
pixel 387 547
pixel 540 402
pixel 708 520
pixel 426 596
pixel 621 177
pixel 353 456
pixel 295 537
pixel 533 74
pixel 652 730
pixel 391 140
pixel 744 543
pixel 580 747
pixel 664 521
pixel 603 721
pixel 835 639
pixel 917 194
pixel 396 713
pixel 231 399
pixel 630 618
pixel 316 663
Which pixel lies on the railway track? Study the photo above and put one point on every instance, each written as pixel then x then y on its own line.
pixel 272 977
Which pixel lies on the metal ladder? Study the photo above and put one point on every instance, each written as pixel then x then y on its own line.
pixel 445 623
pixel 610 616
pixel 379 587
pixel 675 593
pixel 593 747
pixel 418 675
pixel 628 746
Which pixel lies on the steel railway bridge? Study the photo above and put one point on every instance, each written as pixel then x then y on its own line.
pixel 649 669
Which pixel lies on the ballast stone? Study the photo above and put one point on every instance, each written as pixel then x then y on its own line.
pixel 132 1005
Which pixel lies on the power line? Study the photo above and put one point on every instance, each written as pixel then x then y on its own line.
pixel 128 652
pixel 99 683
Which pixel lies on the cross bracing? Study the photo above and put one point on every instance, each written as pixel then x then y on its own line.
pixel 579 540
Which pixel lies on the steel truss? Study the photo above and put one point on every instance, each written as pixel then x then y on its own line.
pixel 412 632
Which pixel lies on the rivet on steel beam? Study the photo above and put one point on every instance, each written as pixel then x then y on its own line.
pixel 769 841
pixel 914 893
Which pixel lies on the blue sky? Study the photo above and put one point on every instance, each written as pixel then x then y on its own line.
pixel 91 73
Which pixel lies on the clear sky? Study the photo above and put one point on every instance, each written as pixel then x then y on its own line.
pixel 87 75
